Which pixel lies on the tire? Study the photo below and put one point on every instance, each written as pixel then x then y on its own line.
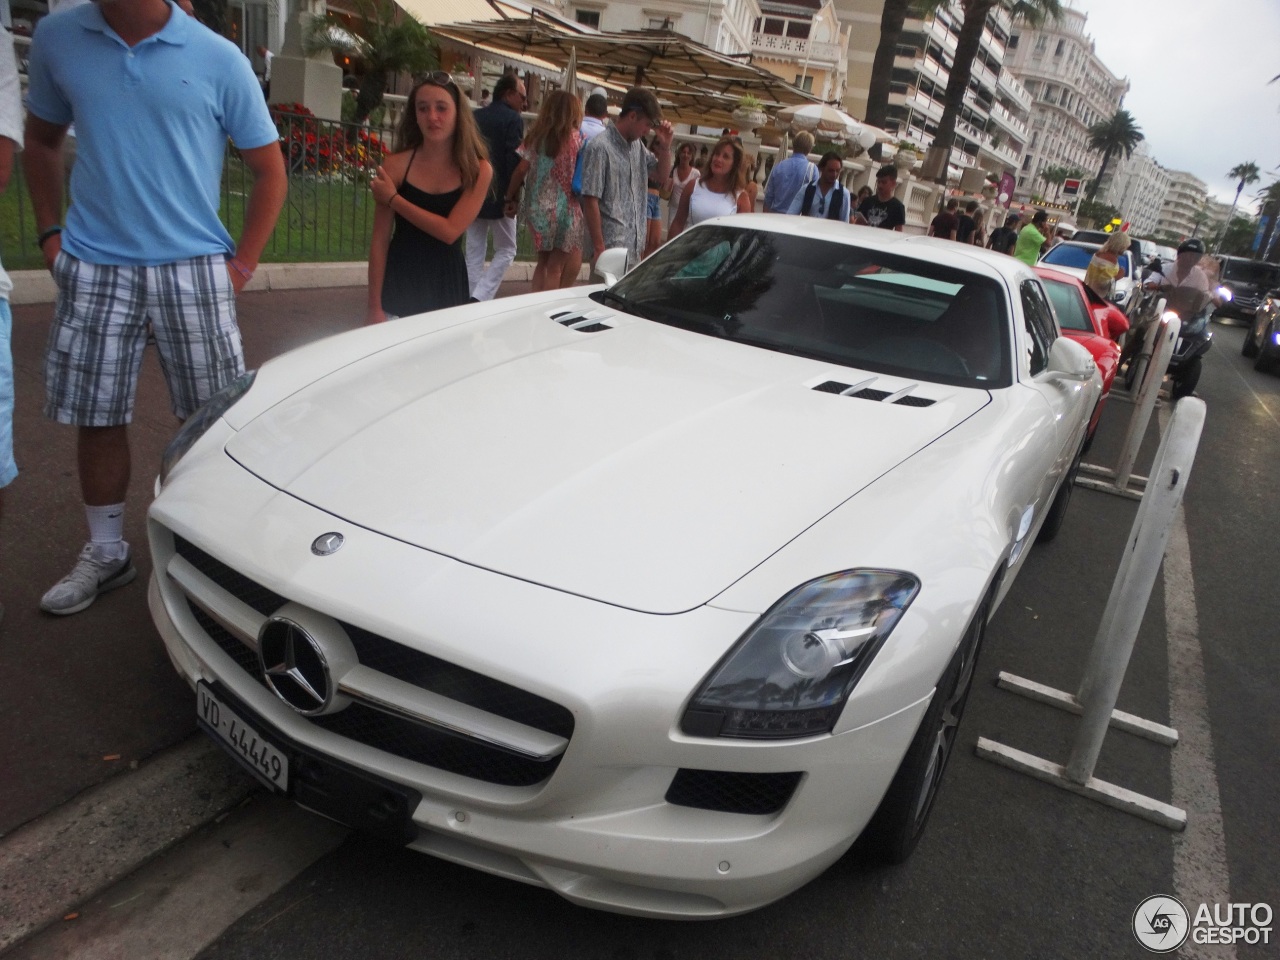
pixel 899 821
pixel 1061 500
pixel 1184 384
pixel 1249 348
pixel 1265 361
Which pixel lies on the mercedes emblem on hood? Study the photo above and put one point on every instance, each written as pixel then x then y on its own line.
pixel 326 544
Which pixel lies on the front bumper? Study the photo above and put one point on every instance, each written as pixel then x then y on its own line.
pixel 601 827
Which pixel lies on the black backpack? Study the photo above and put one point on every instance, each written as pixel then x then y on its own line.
pixel 833 211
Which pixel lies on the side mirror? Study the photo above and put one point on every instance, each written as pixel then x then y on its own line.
pixel 1069 359
pixel 1117 325
pixel 611 265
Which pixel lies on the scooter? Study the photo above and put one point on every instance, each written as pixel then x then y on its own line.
pixel 1194 340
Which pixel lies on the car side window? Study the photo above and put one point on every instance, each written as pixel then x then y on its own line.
pixel 1041 328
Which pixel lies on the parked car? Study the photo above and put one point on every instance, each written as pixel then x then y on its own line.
pixel 1093 322
pixel 1262 342
pixel 1249 281
pixel 658 594
pixel 1073 256
pixel 1140 250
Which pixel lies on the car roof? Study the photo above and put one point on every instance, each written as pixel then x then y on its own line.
pixel 931 249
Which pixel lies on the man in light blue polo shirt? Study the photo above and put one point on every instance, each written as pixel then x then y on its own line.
pixel 154 95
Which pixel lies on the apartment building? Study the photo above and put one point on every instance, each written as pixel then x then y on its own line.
pixel 1136 186
pixel 1071 90
pixel 992 128
pixel 726 26
pixel 1183 212
pixel 804 43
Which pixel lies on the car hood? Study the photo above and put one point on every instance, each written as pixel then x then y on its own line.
pixel 627 461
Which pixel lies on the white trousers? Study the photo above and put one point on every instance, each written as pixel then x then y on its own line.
pixel 485 281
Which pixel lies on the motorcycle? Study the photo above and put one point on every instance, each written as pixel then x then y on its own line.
pixel 1184 368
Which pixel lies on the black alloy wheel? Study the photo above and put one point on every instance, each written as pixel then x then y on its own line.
pixel 899 821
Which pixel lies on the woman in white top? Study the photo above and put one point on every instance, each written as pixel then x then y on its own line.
pixel 721 190
pixel 682 177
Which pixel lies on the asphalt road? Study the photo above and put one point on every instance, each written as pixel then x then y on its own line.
pixel 1009 867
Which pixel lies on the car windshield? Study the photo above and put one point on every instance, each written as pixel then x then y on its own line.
pixel 1067 304
pixel 1265 276
pixel 825 300
pixel 1068 255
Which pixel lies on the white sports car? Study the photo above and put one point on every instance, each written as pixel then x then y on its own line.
pixel 658 594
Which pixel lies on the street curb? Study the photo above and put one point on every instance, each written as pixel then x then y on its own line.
pixel 126 821
pixel 36 286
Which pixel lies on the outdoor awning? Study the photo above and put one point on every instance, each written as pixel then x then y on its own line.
pixel 694 83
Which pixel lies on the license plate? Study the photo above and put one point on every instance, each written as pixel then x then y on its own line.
pixel 250 747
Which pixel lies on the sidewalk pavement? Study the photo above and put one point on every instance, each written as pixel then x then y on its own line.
pixel 87 698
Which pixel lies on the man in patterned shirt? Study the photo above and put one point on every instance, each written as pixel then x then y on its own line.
pixel 616 170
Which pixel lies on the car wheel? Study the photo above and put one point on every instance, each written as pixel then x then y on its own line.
pixel 1265 358
pixel 1250 347
pixel 1062 499
pixel 899 821
pixel 1184 384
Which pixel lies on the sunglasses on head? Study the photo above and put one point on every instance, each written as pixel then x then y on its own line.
pixel 440 78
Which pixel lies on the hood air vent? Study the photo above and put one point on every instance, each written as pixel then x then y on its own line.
pixel 863 391
pixel 582 322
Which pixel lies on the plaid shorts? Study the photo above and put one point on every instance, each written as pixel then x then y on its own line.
pixel 100 328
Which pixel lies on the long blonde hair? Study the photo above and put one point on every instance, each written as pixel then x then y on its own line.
pixel 559 115
pixel 469 146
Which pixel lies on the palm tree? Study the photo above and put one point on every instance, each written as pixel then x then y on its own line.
pixel 385 45
pixel 892 18
pixel 1032 12
pixel 1053 177
pixel 1245 173
pixel 1120 134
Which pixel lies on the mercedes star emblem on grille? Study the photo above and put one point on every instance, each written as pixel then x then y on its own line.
pixel 294 666
pixel 326 544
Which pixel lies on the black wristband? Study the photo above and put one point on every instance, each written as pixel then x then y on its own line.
pixel 46 234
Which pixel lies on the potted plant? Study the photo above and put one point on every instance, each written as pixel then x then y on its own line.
pixel 750 112
pixel 905 156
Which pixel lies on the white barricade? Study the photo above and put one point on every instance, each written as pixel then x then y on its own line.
pixel 1114 642
pixel 1121 481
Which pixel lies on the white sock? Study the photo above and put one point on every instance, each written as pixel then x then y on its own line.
pixel 106 531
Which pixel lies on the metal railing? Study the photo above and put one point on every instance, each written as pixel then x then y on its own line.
pixel 328 211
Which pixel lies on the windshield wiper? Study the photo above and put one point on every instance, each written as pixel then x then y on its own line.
pixel 618 298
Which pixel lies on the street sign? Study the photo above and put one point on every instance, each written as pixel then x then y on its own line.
pixel 1070 188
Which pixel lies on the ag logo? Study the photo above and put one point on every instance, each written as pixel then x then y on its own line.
pixel 1161 923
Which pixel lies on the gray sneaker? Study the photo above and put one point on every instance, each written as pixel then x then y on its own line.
pixel 86 580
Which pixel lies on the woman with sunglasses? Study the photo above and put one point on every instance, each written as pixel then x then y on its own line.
pixel 722 189
pixel 430 192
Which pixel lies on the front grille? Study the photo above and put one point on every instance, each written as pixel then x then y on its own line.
pixel 756 793
pixel 402 737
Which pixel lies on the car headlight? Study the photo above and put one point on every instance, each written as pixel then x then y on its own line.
pixel 792 671
pixel 198 424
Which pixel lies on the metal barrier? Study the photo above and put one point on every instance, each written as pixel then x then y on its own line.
pixel 1113 644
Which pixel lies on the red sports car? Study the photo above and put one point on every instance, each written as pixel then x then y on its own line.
pixel 1090 320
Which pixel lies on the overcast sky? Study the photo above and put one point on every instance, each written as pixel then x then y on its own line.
pixel 1198 75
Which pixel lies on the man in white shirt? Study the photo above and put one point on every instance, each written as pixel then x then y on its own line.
pixel 826 198
pixel 1186 286
pixel 595 113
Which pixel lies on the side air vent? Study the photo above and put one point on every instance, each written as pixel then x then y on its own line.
pixel 582 322
pixel 904 397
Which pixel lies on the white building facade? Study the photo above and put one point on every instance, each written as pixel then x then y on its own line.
pixel 1183 210
pixel 1137 189
pixel 723 25
pixel 1071 89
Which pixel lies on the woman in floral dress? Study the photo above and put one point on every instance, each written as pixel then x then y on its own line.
pixel 545 175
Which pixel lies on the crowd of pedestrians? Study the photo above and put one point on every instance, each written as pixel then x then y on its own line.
pixel 144 259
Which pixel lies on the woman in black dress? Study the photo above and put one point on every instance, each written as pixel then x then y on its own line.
pixel 430 192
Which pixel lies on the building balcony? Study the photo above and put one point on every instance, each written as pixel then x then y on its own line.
pixel 913 99
pixel 1009 85
pixel 794 48
pixel 1009 123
